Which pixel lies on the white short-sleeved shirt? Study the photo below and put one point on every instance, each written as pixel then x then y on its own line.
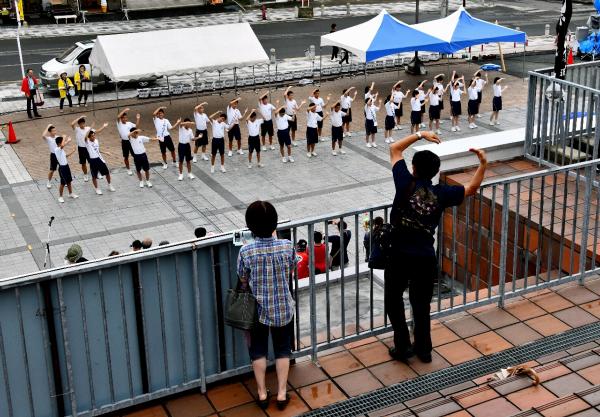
pixel 497 90
pixel 312 118
pixel 61 156
pixel 282 122
pixel 266 110
pixel 291 106
pixel 185 135
pixel 455 93
pixel 472 93
pixel 371 113
pixel 440 88
pixel 336 118
pixel 233 116
pixel 346 102
pixel 390 108
pixel 125 128
pixel 51 141
pixel 94 149
pixel 162 127
pixel 218 129
pixel 479 83
pixel 319 103
pixel 421 94
pixel 434 99
pixel 415 104
pixel 80 135
pixel 137 144
pixel 368 95
pixel 201 120
pixel 398 96
pixel 254 127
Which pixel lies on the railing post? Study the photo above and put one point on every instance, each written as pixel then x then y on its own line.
pixel 503 243
pixel 589 182
pixel 312 292
pixel 530 113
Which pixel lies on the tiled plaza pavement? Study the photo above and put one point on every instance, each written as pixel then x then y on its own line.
pixel 172 209
pixel 569 379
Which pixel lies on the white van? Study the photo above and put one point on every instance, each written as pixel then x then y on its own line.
pixel 69 62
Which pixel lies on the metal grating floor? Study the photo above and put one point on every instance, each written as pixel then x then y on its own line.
pixel 467 371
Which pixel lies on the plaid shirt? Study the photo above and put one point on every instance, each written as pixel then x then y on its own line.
pixel 266 265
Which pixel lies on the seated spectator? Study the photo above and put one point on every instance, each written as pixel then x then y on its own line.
pixel 136 245
pixel 163 243
pixel 377 223
pixel 146 243
pixel 74 255
pixel 302 259
pixel 321 261
pixel 200 232
pixel 336 250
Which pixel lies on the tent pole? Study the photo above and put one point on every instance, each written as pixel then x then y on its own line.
pixel 169 88
pixel 524 52
pixel 235 80
pixel 398 67
pixel 92 80
pixel 196 86
pixel 117 91
pixel 320 65
pixel 269 77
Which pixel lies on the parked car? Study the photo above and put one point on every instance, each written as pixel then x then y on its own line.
pixel 69 62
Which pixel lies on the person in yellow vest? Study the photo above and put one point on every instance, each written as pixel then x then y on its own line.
pixel 83 81
pixel 66 90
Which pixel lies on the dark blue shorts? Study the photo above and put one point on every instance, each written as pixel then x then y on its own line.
pixel 84 156
pixel 434 112
pixel 473 107
pixel 185 152
pixel 266 128
pixel 259 341
pixel 234 133
pixel 254 144
pixel 497 104
pixel 312 136
pixel 456 107
pixel 53 162
pixel 320 124
pixel 141 162
pixel 370 127
pixel 217 145
pixel 65 174
pixel 97 166
pixel 416 117
pixel 283 137
pixel 203 141
pixel 390 123
pixel 337 133
pixel 167 143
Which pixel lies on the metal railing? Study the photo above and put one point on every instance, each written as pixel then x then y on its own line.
pixel 108 334
pixel 562 115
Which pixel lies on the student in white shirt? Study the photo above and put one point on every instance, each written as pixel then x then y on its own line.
pixel 369 92
pixel 233 122
pixel 397 97
pixel 202 121
pixel 434 108
pixel 416 106
pixel 266 128
pixel 422 97
pixel 291 109
pixel 140 159
pixel 49 136
pixel 497 100
pixel 184 147
pixel 81 130
pixel 282 120
pixel 460 80
pixel 371 121
pixel 313 118
pixel 337 127
pixel 473 106
pixel 97 163
pixel 346 107
pixel 319 103
pixel 390 118
pixel 480 83
pixel 63 167
pixel 455 103
pixel 438 81
pixel 254 125
pixel 165 141
pixel 219 126
pixel 124 127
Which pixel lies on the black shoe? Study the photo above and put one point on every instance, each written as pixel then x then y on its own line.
pixel 38 115
pixel 264 404
pixel 401 356
pixel 424 357
pixel 282 404
pixel 30 116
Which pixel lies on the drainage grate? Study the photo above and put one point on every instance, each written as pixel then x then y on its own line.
pixel 467 371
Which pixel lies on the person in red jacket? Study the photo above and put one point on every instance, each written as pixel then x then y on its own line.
pixel 302 260
pixel 29 87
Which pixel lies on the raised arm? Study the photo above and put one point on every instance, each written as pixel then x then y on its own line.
pixel 177 123
pixel 302 103
pixel 102 128
pixel 397 148
pixel 251 111
pixel 287 90
pixel 155 112
pixel 211 117
pixel 125 110
pixel 397 85
pixel 46 131
pixel 472 186
pixel 74 122
pixel 200 105
pixel 65 142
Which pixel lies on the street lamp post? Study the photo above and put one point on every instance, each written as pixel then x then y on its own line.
pixel 18 14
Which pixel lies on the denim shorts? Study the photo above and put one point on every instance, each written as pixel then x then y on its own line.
pixel 259 341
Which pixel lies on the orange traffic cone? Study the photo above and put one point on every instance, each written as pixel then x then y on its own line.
pixel 570 60
pixel 12 136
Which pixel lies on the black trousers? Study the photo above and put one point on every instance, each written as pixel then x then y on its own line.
pixel 417 273
pixel 31 104
pixel 334 52
pixel 68 98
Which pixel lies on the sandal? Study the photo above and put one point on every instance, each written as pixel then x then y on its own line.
pixel 264 404
pixel 282 404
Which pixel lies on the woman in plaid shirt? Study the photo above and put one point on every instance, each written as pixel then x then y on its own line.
pixel 266 265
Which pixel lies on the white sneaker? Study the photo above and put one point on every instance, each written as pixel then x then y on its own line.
pixel 369 144
pixel 223 168
pixel 272 147
pixel 343 152
pixel 48 184
pixel 61 200
pixel 479 116
pixel 86 178
pixel 180 177
pixel 492 123
pixel 212 169
pixel 284 159
pixel 349 134
pixel 73 196
pixel 294 144
pixel 194 160
pixel 249 166
pixel 261 165
pixel 264 148
pixel 141 184
pixel 458 128
pixel 453 129
pixel 396 127
pixel 374 145
pixel 423 126
pixel 387 141
pixel 111 188
pixel 291 159
pixel 314 154
pixel 165 166
pixel 240 151
pixel 308 154
pixel 98 191
pixel 229 153
pixel 497 123
pixel 148 184
pixel 322 139
pixel 129 172
pixel 441 122
pixel 334 153
pixel 438 132
pixel 191 176
pixel 204 157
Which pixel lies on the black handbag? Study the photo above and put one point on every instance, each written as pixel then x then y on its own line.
pixel 240 309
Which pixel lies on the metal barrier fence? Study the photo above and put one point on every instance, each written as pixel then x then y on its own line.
pixel 562 115
pixel 98 337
